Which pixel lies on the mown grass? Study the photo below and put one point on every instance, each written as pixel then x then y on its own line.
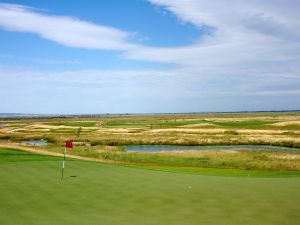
pixel 73 124
pixel 154 124
pixel 11 155
pixel 249 123
pixel 221 172
pixel 172 122
pixel 181 122
pixel 31 192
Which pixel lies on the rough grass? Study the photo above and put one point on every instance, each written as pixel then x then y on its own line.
pixel 138 137
pixel 176 129
pixel 231 132
pixel 241 159
pixel 246 160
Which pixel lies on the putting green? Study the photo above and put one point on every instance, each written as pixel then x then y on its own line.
pixel 31 192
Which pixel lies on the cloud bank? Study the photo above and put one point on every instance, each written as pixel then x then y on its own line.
pixel 246 59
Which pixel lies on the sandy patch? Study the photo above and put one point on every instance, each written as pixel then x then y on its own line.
pixel 249 131
pixel 290 156
pixel 286 123
pixel 272 139
pixel 211 131
pixel 116 130
pixel 50 126
pixel 5 130
pixel 54 127
pixel 14 130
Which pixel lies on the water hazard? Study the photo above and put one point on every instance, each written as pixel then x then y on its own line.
pixel 159 148
pixel 40 142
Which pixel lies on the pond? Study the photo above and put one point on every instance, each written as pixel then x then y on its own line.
pixel 159 148
pixel 40 142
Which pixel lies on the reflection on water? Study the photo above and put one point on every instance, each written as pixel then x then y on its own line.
pixel 159 148
pixel 40 142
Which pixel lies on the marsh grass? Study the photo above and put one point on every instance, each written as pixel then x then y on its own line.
pixel 142 137
pixel 245 160
pixel 234 159
pixel 108 134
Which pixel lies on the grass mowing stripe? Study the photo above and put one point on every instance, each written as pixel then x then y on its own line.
pixel 242 123
pixel 223 172
pixel 31 193
pixel 75 123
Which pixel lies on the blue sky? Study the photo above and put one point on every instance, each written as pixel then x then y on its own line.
pixel 139 56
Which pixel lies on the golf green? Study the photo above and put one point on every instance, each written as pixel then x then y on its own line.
pixel 31 192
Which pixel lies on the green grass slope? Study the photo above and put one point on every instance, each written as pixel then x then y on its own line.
pixel 31 192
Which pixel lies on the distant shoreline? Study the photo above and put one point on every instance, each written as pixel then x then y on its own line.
pixel 28 115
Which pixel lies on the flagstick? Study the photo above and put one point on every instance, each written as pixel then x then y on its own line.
pixel 63 165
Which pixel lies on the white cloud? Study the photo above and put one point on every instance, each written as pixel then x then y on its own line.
pixel 253 49
pixel 243 33
pixel 67 31
pixel 274 18
pixel 101 91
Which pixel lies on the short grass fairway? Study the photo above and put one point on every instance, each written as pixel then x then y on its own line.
pixel 31 192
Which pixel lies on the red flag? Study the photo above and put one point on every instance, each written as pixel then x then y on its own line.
pixel 69 144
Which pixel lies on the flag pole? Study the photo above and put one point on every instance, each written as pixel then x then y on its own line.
pixel 69 144
pixel 63 164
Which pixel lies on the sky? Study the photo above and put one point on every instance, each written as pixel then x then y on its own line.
pixel 149 56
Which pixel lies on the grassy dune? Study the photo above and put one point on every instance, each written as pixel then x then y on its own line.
pixel 31 192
